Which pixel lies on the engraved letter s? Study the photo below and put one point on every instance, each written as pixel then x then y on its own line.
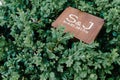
pixel 72 18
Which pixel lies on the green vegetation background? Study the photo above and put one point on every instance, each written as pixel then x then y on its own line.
pixel 30 49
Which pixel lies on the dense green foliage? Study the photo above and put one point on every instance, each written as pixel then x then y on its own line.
pixel 30 49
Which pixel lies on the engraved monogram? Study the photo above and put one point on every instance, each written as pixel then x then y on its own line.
pixel 72 20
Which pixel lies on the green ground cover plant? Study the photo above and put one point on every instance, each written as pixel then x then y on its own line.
pixel 30 49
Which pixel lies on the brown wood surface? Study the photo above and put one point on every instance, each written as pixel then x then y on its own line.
pixel 75 22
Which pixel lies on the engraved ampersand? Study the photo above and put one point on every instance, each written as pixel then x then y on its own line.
pixel 73 19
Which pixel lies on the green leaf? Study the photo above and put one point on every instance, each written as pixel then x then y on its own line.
pixel 2 41
pixel 52 76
